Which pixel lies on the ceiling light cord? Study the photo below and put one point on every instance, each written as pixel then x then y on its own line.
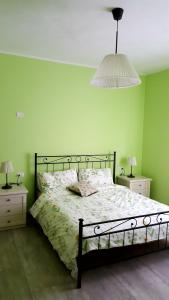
pixel 117 33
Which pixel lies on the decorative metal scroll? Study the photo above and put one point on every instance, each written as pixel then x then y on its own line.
pixel 75 159
pixel 128 224
pixel 63 162
pixel 132 222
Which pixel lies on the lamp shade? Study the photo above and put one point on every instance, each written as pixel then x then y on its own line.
pixel 132 161
pixel 6 167
pixel 115 71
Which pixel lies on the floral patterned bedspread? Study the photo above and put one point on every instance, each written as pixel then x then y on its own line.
pixel 58 211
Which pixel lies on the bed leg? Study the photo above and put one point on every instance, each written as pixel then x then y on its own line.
pixel 79 267
pixel 79 278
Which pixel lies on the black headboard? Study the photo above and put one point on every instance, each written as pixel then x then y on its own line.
pixel 51 163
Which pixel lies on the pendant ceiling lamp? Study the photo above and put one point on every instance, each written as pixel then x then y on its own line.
pixel 116 71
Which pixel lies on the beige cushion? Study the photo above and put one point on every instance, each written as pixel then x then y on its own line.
pixel 82 188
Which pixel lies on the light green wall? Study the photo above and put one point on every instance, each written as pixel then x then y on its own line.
pixel 156 134
pixel 64 114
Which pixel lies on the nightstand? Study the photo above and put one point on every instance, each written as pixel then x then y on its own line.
pixel 13 207
pixel 138 184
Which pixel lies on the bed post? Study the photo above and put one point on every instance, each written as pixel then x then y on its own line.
pixel 79 266
pixel 114 167
pixel 35 183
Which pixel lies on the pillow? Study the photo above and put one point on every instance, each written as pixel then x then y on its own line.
pixel 96 177
pixel 65 178
pixel 83 189
pixel 45 180
pixel 54 179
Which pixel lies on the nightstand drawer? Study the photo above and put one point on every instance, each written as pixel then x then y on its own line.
pixel 145 193
pixel 138 185
pixel 142 192
pixel 11 221
pixel 10 200
pixel 11 209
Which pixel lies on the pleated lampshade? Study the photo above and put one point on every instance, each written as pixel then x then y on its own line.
pixel 132 161
pixel 6 167
pixel 115 71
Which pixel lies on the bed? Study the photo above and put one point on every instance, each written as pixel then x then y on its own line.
pixel 112 224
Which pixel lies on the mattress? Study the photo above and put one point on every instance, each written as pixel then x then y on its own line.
pixel 57 210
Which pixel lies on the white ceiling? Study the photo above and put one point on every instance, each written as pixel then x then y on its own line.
pixel 83 31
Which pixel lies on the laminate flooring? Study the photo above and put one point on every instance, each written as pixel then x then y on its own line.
pixel 31 270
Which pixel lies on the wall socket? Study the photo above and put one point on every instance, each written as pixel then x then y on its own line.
pixel 21 174
pixel 20 115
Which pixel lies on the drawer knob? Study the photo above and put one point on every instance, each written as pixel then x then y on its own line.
pixel 8 200
pixel 8 210
pixel 9 221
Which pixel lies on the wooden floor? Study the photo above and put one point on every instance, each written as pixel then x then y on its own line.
pixel 30 269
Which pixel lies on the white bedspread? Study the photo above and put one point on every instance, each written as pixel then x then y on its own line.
pixel 58 211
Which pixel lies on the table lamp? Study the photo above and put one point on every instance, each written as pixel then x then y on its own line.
pixel 132 162
pixel 6 167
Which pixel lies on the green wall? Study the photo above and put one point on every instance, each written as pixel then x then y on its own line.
pixel 156 135
pixel 64 114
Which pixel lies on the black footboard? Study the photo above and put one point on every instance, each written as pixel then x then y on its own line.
pixel 126 228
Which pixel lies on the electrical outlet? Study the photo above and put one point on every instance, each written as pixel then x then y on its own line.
pixel 21 174
pixel 20 115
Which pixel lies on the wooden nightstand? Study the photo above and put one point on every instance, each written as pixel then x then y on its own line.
pixel 139 184
pixel 13 207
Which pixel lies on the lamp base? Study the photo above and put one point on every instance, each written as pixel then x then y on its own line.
pixel 131 176
pixel 6 186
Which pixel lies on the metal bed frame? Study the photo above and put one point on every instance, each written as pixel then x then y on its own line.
pixel 132 224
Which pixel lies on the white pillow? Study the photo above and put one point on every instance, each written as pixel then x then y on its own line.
pixel 53 179
pixel 45 180
pixel 66 177
pixel 96 177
